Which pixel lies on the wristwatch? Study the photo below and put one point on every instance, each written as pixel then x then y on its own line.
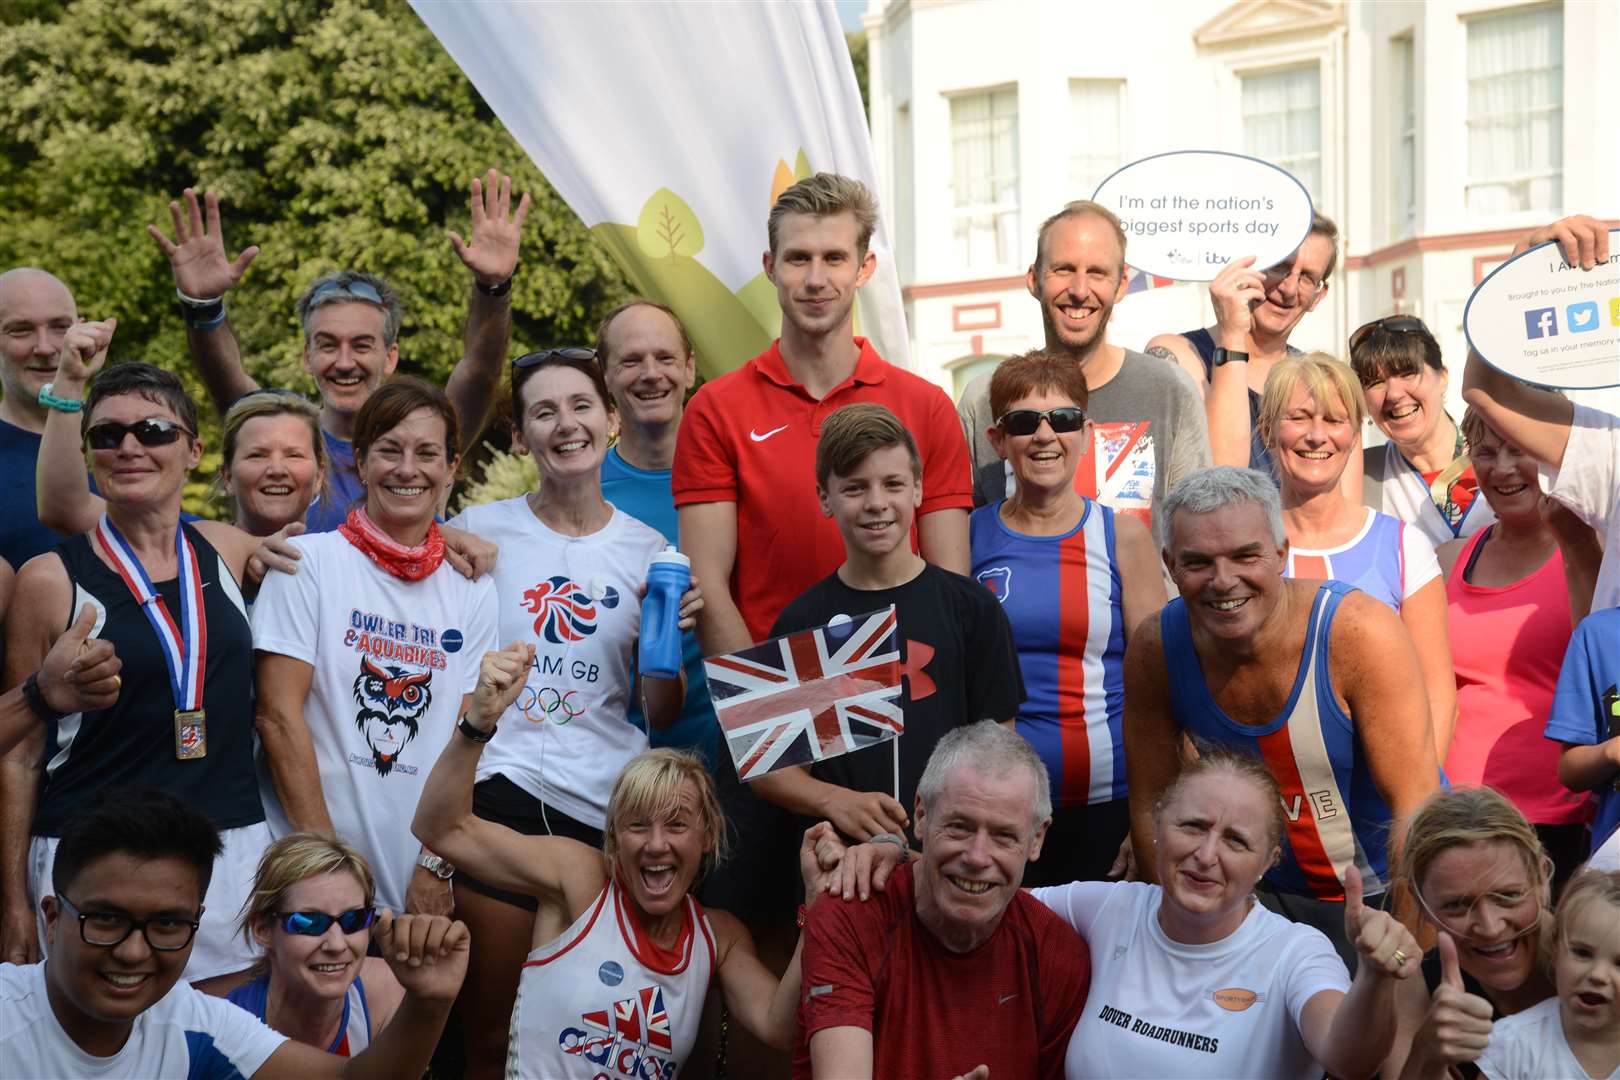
pixel 494 290
pixel 440 868
pixel 36 699
pixel 1226 356
pixel 476 734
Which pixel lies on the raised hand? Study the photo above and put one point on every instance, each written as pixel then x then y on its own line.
pixel 80 675
pixel 427 953
pixel 1385 946
pixel 501 676
pixel 492 254
pixel 1458 1025
pixel 197 252
pixel 1234 293
pixel 1583 241
pixel 84 350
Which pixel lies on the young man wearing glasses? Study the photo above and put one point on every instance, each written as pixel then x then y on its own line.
pixel 127 886
pixel 1255 311
pixel 1149 428
pixel 351 326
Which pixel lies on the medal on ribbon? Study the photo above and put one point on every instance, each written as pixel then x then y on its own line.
pixel 184 643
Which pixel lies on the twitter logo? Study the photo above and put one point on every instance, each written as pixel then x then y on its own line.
pixel 1582 317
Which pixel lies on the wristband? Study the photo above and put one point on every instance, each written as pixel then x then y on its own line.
pixel 204 318
pixel 494 290
pixel 467 728
pixel 60 404
pixel 197 301
pixel 804 915
pixel 1227 356
pixel 896 840
pixel 36 699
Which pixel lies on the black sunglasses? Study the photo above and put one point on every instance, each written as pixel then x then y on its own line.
pixel 1394 324
pixel 316 923
pixel 545 356
pixel 109 434
pixel 1064 419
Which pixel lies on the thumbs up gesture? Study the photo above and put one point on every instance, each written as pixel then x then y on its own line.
pixel 1459 1023
pixel 1386 948
pixel 79 674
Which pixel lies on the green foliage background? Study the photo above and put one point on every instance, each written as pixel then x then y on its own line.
pixel 338 134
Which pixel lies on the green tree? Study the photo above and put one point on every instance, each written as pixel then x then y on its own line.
pixel 338 133
pixel 858 58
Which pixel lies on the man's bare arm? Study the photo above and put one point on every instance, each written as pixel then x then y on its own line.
pixel 942 537
pixel 1177 350
pixel 1152 737
pixel 709 538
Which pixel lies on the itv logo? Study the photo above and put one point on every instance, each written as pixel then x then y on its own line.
pixel 1541 322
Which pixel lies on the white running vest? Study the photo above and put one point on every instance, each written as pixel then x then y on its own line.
pixel 598 1003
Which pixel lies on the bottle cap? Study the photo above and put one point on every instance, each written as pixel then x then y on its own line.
pixel 671 557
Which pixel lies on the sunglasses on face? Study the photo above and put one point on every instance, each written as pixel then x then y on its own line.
pixel 316 923
pixel 1394 324
pixel 109 434
pixel 1064 419
pixel 329 293
pixel 545 356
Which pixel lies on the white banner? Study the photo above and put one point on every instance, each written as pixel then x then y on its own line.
pixel 670 128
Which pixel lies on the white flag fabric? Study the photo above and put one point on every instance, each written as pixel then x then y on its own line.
pixel 670 128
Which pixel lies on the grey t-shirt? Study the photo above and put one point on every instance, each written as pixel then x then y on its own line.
pixel 1150 432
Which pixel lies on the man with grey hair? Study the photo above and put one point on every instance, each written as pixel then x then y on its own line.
pixel 1148 424
pixel 950 968
pixel 351 324
pixel 1317 679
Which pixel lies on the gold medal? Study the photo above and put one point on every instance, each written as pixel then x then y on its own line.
pixel 190 734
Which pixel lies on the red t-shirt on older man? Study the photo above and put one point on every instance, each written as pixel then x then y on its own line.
pixel 1011 1004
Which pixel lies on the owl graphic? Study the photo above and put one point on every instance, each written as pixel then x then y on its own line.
pixel 392 703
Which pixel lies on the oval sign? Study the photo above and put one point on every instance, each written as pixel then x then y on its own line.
pixel 1541 320
pixel 1188 213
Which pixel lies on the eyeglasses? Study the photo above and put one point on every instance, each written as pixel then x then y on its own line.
pixel 1505 903
pixel 1276 275
pixel 328 292
pixel 546 356
pixel 156 431
pixel 105 929
pixel 1394 324
pixel 316 923
pixel 1063 419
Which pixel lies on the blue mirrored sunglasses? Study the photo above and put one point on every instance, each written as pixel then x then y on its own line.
pixel 328 292
pixel 316 923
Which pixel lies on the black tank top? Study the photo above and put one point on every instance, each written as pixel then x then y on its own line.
pixel 1259 454
pixel 133 741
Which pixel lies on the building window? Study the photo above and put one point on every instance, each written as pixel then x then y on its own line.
pixel 1516 112
pixel 1403 214
pixel 984 184
pixel 1094 111
pixel 1282 122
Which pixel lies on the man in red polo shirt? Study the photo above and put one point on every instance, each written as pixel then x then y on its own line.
pixel 745 489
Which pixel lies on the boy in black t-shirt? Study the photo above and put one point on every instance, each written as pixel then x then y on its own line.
pixel 956 646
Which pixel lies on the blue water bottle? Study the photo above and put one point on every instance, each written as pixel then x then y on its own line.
pixel 668 578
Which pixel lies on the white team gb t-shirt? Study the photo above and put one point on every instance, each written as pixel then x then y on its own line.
pixel 187 1035
pixel 1589 484
pixel 578 600
pixel 1532 1044
pixel 392 660
pixel 1161 1008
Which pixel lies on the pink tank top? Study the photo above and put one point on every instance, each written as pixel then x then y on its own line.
pixel 1507 644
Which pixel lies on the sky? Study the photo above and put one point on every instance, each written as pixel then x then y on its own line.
pixel 850 12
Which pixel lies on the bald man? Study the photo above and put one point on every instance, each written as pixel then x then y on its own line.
pixel 35 311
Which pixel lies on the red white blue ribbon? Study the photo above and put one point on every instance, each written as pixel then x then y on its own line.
pixel 185 645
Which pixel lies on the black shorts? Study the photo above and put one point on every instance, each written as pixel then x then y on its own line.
pixel 503 802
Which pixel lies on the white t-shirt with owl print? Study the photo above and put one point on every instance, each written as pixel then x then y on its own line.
pixel 392 659
pixel 578 600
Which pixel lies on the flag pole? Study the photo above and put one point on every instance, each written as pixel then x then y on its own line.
pixel 896 742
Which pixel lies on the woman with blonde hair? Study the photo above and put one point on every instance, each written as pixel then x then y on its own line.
pixel 1477 872
pixel 1310 418
pixel 311 912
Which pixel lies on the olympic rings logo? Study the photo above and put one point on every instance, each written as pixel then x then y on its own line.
pixel 547 701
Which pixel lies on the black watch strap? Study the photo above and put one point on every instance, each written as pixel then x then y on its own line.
pixel 36 699
pixel 466 727
pixel 1226 356
pixel 494 290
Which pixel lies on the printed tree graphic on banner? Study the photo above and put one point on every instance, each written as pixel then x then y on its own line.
pixel 668 227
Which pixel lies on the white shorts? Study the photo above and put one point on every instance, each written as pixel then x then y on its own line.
pixel 218 948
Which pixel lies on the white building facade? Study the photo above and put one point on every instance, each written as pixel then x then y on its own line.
pixel 1434 133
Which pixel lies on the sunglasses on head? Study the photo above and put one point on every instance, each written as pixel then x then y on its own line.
pixel 1394 324
pixel 327 293
pixel 545 356
pixel 1064 419
pixel 109 434
pixel 316 923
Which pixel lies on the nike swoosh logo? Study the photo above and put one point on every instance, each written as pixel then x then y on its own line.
pixel 757 437
pixel 1004 998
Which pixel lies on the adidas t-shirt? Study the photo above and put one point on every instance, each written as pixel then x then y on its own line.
pixel 187 1035
pixel 578 600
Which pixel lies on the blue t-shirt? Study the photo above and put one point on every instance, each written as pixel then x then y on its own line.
pixel 646 495
pixel 343 487
pixel 21 535
pixel 1586 705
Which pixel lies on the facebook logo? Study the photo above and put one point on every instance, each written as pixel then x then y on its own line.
pixel 1540 322
pixel 1582 317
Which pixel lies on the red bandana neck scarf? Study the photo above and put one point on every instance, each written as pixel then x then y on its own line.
pixel 405 563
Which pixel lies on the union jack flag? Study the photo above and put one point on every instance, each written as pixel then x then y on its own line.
pixel 810 696
pixel 1141 281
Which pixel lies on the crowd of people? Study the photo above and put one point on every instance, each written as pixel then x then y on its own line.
pixel 1230 746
